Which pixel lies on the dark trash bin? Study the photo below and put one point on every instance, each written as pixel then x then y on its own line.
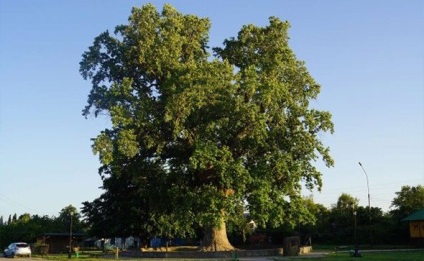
pixel 291 246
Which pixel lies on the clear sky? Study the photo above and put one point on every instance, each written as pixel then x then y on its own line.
pixel 367 55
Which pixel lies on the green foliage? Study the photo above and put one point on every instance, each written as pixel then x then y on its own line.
pixel 379 256
pixel 343 215
pixel 337 224
pixel 193 138
pixel 408 200
pixel 27 228
pixel 346 203
pixel 239 226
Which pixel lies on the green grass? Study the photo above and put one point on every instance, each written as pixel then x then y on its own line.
pixel 383 256
pixel 370 256
pixel 65 257
pixel 362 247
pixel 417 255
pixel 86 256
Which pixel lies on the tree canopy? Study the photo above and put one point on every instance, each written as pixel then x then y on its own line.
pixel 28 228
pixel 408 200
pixel 195 135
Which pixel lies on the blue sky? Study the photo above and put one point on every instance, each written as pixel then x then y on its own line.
pixel 367 55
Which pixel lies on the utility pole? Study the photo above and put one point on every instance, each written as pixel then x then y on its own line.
pixel 369 199
pixel 70 236
pixel 368 187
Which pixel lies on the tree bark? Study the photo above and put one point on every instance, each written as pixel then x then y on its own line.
pixel 215 239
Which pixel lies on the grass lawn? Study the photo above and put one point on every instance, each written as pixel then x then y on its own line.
pixel 412 255
pixel 383 256
pixel 87 256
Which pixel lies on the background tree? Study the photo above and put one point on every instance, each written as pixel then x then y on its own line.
pixel 28 228
pixel 343 219
pixel 119 211
pixel 64 219
pixel 343 211
pixel 239 226
pixel 408 200
pixel 346 203
pixel 318 230
pixel 200 137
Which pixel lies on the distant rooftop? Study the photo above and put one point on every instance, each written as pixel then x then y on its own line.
pixel 416 216
pixel 64 234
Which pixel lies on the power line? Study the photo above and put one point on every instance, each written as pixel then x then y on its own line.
pixel 7 200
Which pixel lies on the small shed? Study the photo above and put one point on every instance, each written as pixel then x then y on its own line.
pixel 59 242
pixel 416 224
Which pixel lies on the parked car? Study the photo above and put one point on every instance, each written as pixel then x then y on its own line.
pixel 17 249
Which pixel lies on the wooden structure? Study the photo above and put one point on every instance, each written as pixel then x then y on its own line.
pixel 58 243
pixel 416 224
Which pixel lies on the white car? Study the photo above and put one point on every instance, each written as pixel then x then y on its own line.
pixel 17 249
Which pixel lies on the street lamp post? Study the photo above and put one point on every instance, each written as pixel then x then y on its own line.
pixel 356 250
pixel 70 236
pixel 369 201
pixel 354 228
pixel 368 187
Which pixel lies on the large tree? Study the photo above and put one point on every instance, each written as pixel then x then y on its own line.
pixel 408 200
pixel 342 215
pixel 200 136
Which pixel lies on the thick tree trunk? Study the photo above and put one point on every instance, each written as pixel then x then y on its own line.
pixel 215 239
